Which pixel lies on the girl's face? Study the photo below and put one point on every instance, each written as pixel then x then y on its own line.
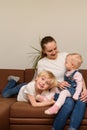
pixel 42 83
pixel 51 50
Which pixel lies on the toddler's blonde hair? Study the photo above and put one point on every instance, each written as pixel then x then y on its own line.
pixel 76 59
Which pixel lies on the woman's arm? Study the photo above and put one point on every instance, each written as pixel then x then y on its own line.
pixel 84 85
pixel 83 96
pixel 34 103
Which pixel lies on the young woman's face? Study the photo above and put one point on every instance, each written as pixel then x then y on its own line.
pixel 51 50
pixel 42 83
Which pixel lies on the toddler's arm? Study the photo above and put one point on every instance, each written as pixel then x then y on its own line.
pixel 79 80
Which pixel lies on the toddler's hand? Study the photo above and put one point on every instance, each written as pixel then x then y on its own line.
pixel 63 85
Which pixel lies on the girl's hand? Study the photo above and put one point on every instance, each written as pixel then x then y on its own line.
pixel 83 96
pixel 63 85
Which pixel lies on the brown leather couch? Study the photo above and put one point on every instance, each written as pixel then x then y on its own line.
pixel 21 115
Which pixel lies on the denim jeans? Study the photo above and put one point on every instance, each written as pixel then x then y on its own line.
pixel 71 129
pixel 63 114
pixel 76 114
pixel 11 88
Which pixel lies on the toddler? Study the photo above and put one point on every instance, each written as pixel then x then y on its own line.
pixel 74 78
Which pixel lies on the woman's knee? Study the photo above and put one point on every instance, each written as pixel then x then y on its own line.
pixel 69 102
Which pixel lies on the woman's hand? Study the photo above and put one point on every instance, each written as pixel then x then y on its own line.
pixel 63 85
pixel 83 96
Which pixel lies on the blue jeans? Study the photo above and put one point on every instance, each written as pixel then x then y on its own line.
pixel 64 113
pixel 11 89
pixel 77 115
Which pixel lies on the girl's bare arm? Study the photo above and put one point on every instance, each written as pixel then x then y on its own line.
pixel 34 103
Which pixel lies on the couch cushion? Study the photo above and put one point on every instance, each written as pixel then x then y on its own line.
pixel 22 112
pixel 4 112
pixel 23 109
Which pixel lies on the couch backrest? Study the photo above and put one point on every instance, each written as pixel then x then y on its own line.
pixel 25 75
pixel 84 73
pixel 29 74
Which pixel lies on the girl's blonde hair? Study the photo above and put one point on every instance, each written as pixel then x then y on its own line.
pixel 49 75
pixel 76 59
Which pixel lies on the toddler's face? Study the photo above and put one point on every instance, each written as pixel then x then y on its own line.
pixel 68 63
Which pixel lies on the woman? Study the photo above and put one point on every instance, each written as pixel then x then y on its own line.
pixel 54 61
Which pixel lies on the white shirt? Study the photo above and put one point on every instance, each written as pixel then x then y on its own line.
pixel 26 89
pixel 57 66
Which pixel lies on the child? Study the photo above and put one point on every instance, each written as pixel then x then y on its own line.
pixel 44 81
pixel 74 78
